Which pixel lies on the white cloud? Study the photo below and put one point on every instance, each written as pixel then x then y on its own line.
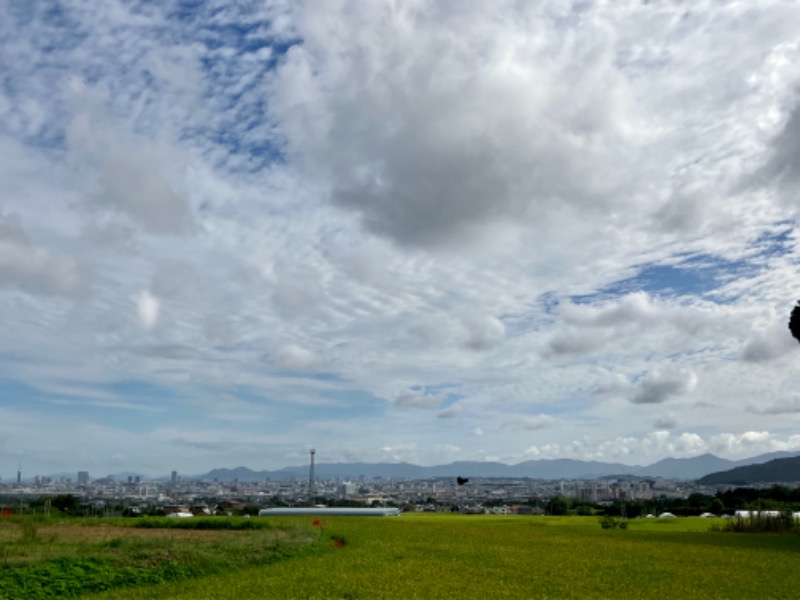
pixel 530 422
pixel 174 279
pixel 567 207
pixel 34 269
pixel 136 177
pixel 295 357
pixel 482 332
pixel 147 309
pixel 298 292
pixel 526 114
pixel 688 444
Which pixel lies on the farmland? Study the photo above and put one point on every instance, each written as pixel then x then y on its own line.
pixel 415 556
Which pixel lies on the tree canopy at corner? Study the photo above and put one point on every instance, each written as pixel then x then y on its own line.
pixel 794 321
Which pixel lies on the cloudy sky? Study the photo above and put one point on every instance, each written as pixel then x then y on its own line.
pixel 396 230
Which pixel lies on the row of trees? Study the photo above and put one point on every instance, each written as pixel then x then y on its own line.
pixel 777 497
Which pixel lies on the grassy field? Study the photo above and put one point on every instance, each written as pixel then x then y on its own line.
pixel 454 556
pixel 47 558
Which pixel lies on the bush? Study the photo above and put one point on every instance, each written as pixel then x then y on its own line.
pixel 609 522
pixel 203 524
pixel 760 523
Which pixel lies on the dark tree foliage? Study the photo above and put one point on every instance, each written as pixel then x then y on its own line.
pixel 462 480
pixel 557 505
pixel 66 503
pixel 794 321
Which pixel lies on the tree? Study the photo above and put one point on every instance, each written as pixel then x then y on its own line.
pixel 557 505
pixel 66 503
pixel 794 321
pixel 717 507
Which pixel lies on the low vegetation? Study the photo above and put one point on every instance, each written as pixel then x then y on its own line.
pixel 609 522
pixel 49 558
pixel 421 555
pixel 426 555
pixel 784 522
pixel 201 524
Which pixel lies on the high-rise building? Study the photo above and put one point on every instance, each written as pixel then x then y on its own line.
pixel 19 473
pixel 174 478
pixel 346 490
pixel 83 478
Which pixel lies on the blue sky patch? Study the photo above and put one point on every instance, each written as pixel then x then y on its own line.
pixel 699 275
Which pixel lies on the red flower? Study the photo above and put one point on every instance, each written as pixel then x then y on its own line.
pixel 338 543
pixel 6 512
pixel 317 523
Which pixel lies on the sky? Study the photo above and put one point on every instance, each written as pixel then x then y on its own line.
pixel 396 230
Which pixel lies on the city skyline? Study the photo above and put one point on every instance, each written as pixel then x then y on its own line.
pixel 687 468
pixel 397 231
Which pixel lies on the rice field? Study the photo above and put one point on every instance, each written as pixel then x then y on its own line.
pixel 463 557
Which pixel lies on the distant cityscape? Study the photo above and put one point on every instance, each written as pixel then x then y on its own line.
pixel 361 484
pixel 135 490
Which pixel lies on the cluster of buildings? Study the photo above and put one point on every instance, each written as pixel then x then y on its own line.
pixel 427 494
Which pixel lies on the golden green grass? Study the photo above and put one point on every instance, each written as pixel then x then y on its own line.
pixel 44 558
pixel 464 557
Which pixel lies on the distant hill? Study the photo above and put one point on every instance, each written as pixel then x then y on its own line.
pixel 687 468
pixel 778 469
pixel 670 468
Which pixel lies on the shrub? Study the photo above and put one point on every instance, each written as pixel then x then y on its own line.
pixel 203 524
pixel 30 531
pixel 761 523
pixel 609 522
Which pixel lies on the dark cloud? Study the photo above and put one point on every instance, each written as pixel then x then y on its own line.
pixel 787 406
pixel 768 345
pixel 450 412
pixel 483 332
pixel 783 167
pixel 665 423
pixel 418 399
pixel 574 342
pixel 659 386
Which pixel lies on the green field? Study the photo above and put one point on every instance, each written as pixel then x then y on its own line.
pixel 433 556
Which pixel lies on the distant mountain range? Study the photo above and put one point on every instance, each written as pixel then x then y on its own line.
pixel 779 469
pixel 668 468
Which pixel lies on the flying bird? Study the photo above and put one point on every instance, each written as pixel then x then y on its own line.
pixel 794 321
pixel 461 480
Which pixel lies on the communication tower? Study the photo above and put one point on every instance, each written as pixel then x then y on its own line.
pixel 311 493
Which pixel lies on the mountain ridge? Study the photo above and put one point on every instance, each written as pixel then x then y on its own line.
pixel 560 468
pixel 774 470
